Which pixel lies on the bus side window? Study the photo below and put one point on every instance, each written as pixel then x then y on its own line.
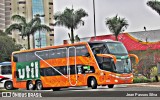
pixel 43 54
pixel 72 52
pixel 82 51
pixel 6 70
pixel 52 53
pixel 88 69
pixel 49 71
pixel 61 52
pixel 42 72
pixel 15 58
pixel 62 70
pixel 72 69
pixel 106 66
pixel 22 57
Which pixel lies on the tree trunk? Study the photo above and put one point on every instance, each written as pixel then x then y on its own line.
pixel 116 37
pixel 28 38
pixel 33 41
pixel 72 36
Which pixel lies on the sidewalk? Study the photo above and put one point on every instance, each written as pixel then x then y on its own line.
pixel 154 84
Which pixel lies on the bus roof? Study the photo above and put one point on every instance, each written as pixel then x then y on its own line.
pixel 51 47
pixel 64 45
pixel 5 63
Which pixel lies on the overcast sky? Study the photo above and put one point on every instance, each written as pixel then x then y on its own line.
pixel 136 12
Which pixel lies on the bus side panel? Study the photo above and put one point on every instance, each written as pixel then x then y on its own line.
pixel 16 84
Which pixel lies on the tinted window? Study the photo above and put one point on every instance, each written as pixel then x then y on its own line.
pixel 52 72
pixel 6 70
pixel 30 56
pixel 81 50
pixel 57 53
pixel 72 51
pixel 43 54
pixel 72 70
pixel 21 57
pixel 25 57
pixel 88 69
pixel 61 52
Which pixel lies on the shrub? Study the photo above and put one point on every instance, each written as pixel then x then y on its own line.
pixel 141 79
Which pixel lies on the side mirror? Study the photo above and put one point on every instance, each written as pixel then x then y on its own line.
pixel 135 56
pixel 108 56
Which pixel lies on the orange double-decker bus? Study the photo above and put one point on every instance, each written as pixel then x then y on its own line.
pixel 81 64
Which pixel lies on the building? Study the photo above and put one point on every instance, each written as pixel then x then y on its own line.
pixel 28 9
pixel 5 13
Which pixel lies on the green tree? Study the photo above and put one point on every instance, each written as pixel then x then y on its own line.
pixel 7 46
pixel 155 5
pixel 116 25
pixel 70 19
pixel 27 28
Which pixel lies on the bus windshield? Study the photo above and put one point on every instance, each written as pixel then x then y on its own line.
pixel 116 48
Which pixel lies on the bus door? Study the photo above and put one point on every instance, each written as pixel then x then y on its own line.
pixel 72 66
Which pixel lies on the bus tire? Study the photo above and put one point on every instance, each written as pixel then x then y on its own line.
pixel 93 83
pixel 56 89
pixel 8 85
pixel 39 85
pixel 30 85
pixel 111 86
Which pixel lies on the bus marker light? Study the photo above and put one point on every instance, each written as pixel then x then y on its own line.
pixel 108 81
pixel 116 81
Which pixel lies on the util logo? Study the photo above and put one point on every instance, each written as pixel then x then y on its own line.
pixel 31 71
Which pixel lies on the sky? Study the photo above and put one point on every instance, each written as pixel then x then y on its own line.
pixel 136 12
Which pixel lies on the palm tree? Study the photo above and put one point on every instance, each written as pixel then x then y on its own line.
pixel 155 5
pixel 70 19
pixel 116 25
pixel 27 28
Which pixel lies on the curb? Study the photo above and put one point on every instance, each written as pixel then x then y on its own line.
pixel 142 85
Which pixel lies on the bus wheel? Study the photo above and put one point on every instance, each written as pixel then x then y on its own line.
pixel 93 83
pixel 111 86
pixel 8 85
pixel 30 85
pixel 39 85
pixel 56 89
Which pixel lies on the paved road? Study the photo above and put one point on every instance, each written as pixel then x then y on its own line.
pixel 101 93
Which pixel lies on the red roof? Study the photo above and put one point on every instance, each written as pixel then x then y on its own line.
pixel 130 42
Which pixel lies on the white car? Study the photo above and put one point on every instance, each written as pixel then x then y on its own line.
pixel 6 76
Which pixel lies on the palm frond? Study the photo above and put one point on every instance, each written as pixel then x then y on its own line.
pixel 19 18
pixel 116 24
pixel 13 27
pixel 155 5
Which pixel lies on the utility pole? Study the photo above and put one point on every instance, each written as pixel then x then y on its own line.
pixel 94 20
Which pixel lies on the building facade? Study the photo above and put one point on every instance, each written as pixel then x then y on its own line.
pixel 28 9
pixel 5 13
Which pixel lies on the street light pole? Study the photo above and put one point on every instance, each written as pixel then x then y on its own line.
pixel 94 20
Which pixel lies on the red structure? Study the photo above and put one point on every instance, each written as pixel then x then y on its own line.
pixel 129 41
